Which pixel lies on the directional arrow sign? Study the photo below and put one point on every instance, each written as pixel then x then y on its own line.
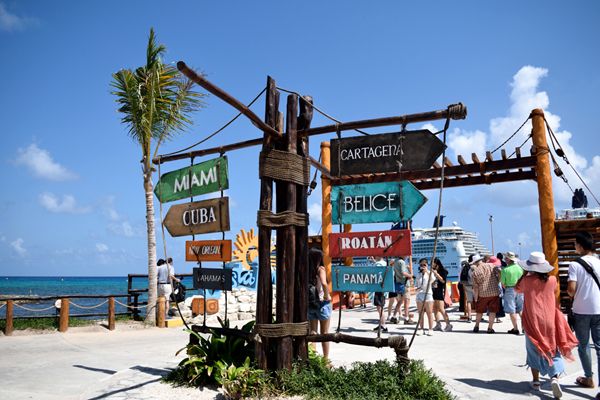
pixel 206 177
pixel 375 202
pixel 208 250
pixel 198 217
pixel 389 152
pixel 384 244
pixel 362 279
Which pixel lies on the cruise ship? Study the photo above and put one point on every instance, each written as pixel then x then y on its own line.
pixel 454 246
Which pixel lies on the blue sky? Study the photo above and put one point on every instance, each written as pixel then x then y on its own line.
pixel 73 203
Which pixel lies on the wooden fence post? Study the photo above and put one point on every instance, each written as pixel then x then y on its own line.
pixel 111 313
pixel 9 318
pixel 63 320
pixel 160 310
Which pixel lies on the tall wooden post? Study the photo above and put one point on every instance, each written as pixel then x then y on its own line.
pixel 544 184
pixel 8 330
pixel 111 313
pixel 160 312
pixel 326 225
pixel 301 268
pixel 264 298
pixel 63 319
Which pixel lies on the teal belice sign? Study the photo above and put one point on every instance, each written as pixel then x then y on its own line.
pixel 375 202
pixel 205 177
pixel 362 279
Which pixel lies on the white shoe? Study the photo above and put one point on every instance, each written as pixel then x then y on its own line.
pixel 535 385
pixel 556 389
pixel 430 333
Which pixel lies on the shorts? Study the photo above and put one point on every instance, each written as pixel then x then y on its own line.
pixel 439 295
pixel 379 299
pixel 165 289
pixel 400 288
pixel 490 304
pixel 422 298
pixel 512 301
pixel 323 313
pixel 469 292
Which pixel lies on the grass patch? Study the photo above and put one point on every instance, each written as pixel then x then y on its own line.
pixel 364 381
pixel 51 323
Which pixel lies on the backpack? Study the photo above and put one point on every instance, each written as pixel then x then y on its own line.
pixel 178 294
pixel 313 297
pixel 464 273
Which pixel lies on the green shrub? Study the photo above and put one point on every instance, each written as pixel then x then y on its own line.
pixel 244 381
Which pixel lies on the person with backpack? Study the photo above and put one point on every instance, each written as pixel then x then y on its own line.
pixel 584 286
pixel 319 298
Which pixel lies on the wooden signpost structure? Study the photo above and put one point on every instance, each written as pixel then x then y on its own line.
pixel 284 160
pixel 198 217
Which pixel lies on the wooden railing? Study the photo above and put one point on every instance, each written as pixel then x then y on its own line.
pixel 134 294
pixel 63 310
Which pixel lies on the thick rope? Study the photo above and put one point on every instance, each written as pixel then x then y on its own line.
pixel 285 166
pixel 281 219
pixel 88 307
pixel 282 329
pixel 34 309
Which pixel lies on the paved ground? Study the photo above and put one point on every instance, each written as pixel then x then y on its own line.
pixel 128 363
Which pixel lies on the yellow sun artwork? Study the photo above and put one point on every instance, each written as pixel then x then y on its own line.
pixel 246 248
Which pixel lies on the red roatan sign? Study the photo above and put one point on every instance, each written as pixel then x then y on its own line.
pixel 384 244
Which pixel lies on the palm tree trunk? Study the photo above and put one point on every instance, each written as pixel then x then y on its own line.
pixel 152 279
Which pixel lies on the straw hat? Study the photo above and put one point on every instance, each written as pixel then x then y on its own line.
pixel 511 256
pixel 476 258
pixel 536 263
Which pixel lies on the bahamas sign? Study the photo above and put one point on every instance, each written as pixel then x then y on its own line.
pixel 375 202
pixel 206 177
pixel 362 279
pixel 212 278
pixel 389 152
pixel 383 244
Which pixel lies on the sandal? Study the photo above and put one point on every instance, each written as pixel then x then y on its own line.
pixel 535 385
pixel 585 382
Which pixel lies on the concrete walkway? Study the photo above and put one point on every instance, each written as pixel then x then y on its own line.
pixel 93 363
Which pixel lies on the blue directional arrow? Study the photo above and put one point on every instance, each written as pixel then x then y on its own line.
pixel 375 202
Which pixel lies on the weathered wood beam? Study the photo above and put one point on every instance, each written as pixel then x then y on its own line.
pixel 323 169
pixel 488 156
pixel 227 98
pixel 447 162
pixel 455 113
pixel 476 180
pixel 475 158
pixel 503 151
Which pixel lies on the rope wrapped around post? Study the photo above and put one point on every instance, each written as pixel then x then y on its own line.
pixel 281 219
pixel 282 329
pixel 284 166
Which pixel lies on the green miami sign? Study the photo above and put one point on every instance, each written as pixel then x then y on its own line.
pixel 375 202
pixel 205 177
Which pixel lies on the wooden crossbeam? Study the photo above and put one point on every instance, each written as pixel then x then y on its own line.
pixel 503 154
pixel 475 158
pixel 488 156
pixel 447 162
pixel 461 160
pixel 476 180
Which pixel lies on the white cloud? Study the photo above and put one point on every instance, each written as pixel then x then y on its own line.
pixel 17 246
pixel 41 164
pixel 123 228
pixel 11 22
pixel 109 209
pixel 67 205
pixel 465 142
pixel 101 248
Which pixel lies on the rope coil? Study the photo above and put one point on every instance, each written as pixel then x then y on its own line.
pixel 285 218
pixel 285 166
pixel 282 329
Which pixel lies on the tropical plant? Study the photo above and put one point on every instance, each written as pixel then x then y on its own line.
pixel 156 102
pixel 244 381
pixel 205 359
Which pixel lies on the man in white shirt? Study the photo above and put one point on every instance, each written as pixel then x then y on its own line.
pixel 586 304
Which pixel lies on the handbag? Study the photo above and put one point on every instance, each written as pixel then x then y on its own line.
pixel 589 270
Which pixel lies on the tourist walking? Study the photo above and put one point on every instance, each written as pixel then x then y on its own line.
pixel 424 296
pixel 547 335
pixel 165 275
pixel 512 301
pixel 319 312
pixel 379 297
pixel 402 279
pixel 438 287
pixel 485 292
pixel 466 280
pixel 584 286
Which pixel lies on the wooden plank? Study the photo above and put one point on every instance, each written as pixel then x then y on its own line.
pixel 436 165
pixel 447 162
pixel 488 156
pixel 476 180
pixel 379 243
pixel 198 217
pixel 208 250
pixel 362 279
pixel 389 152
pixel 503 152
pixel 461 160
pixel 475 158
pixel 518 152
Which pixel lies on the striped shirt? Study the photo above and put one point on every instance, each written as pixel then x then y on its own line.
pixel 485 279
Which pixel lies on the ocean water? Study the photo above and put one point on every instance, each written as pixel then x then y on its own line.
pixel 56 286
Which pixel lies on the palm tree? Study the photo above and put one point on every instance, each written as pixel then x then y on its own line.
pixel 156 102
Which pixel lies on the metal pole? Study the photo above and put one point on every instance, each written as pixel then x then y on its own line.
pixel 492 233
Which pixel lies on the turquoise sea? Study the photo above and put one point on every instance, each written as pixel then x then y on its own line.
pixel 56 286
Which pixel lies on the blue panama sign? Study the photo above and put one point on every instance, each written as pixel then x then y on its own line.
pixel 375 202
pixel 362 279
